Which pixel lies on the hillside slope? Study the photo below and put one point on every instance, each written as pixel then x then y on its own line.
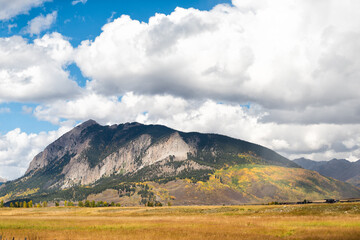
pixel 92 158
pixel 340 169
pixel 259 184
pixel 235 184
pixel 2 181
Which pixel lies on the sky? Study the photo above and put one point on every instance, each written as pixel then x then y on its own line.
pixel 281 73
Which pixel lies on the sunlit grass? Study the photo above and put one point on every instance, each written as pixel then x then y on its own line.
pixel 327 221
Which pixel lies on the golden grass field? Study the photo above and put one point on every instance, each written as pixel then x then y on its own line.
pixel 313 221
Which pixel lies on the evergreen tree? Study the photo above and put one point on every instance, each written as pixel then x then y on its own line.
pixel 57 204
pixel 80 204
pixel 87 203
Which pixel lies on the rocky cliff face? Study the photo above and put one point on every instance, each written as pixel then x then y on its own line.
pixel 99 156
pixel 118 149
pixel 90 152
pixel 129 158
pixel 2 181
pixel 71 142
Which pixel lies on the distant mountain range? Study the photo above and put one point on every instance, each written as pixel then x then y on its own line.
pixel 340 169
pixel 134 164
pixel 2 180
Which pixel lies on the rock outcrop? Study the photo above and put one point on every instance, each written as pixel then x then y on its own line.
pixel 124 160
pixel 91 158
pixel 91 152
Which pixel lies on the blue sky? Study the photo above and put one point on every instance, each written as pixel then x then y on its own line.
pixel 82 21
pixel 283 74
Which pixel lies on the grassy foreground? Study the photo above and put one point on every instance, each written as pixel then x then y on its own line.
pixel 323 221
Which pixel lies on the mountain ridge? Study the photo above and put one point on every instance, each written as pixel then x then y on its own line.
pixel 340 169
pixel 97 150
pixel 92 158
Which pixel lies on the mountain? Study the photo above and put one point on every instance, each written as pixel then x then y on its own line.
pixel 135 163
pixel 2 181
pixel 340 169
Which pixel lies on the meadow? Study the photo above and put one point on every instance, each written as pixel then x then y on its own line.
pixel 311 221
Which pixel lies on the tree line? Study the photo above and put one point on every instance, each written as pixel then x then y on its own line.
pixel 87 203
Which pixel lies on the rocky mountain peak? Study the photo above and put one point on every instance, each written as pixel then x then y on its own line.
pixel 340 169
pixel 335 160
pixel 92 158
pixel 70 143
pixel 87 124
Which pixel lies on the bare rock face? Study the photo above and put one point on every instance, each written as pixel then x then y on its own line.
pixel 78 171
pixel 130 152
pixel 92 159
pixel 70 142
pixel 174 146
pixel 129 158
pixel 91 154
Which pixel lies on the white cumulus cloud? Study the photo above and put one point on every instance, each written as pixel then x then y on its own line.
pixel 12 8
pixel 41 23
pixel 78 1
pixel 18 148
pixel 35 71
pixel 280 73
pixel 291 57
pixel 318 141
